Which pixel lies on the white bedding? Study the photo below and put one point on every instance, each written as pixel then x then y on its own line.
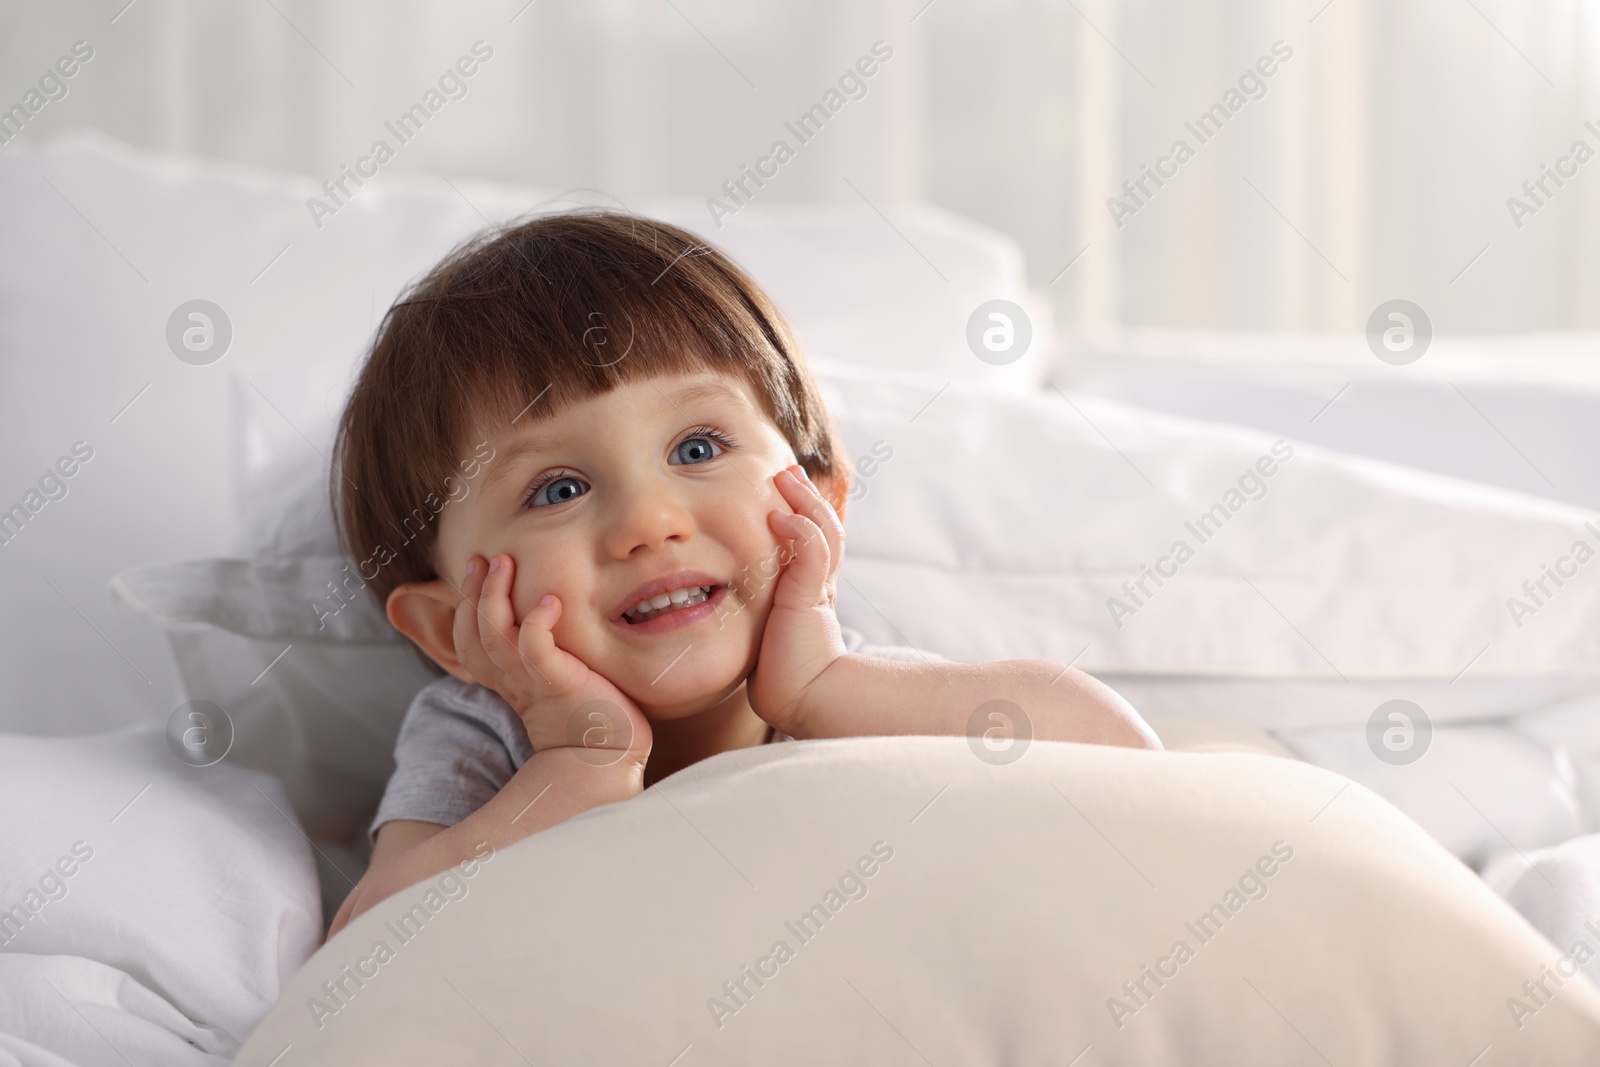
pixel 1557 889
pixel 176 936
pixel 152 910
pixel 68 1011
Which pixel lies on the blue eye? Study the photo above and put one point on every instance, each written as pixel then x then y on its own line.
pixel 556 491
pixel 703 445
pixel 696 450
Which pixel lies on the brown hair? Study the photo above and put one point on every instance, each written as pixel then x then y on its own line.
pixel 522 321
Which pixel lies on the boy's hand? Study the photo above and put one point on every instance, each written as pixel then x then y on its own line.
pixel 802 634
pixel 562 703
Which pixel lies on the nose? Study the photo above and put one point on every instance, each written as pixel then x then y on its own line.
pixel 650 516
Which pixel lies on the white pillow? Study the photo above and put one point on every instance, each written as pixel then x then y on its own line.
pixel 961 912
pixel 316 699
pixel 839 276
pixel 992 525
pixel 185 896
pixel 102 244
pixel 1572 729
pixel 1005 526
pixel 1008 524
pixel 858 290
pixel 1520 411
pixel 1475 787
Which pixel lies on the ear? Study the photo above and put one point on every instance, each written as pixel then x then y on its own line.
pixel 426 613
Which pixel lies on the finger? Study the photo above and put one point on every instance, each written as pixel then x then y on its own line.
pixel 803 583
pixel 537 644
pixel 807 500
pixel 497 623
pixel 469 648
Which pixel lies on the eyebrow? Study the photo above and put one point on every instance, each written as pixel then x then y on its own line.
pixel 715 389
pixel 506 459
pixel 504 463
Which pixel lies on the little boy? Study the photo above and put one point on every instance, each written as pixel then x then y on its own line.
pixel 618 499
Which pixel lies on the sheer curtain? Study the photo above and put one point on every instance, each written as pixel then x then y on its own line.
pixel 1375 162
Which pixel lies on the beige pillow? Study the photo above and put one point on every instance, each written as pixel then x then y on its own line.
pixel 904 901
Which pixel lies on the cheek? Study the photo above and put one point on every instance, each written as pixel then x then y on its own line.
pixel 761 557
pixel 536 577
pixel 744 530
pixel 759 538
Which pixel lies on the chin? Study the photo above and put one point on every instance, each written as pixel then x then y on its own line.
pixel 692 685
pixel 688 706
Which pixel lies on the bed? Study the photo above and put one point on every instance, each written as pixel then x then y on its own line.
pixel 1342 582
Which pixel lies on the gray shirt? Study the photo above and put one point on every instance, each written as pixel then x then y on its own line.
pixel 460 743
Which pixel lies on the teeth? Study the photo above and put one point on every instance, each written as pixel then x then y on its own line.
pixel 678 598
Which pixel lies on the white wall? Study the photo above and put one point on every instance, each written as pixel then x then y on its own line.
pixel 1383 152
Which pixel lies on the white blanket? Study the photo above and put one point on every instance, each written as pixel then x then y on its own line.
pixel 150 911
pixel 61 1010
pixel 1557 889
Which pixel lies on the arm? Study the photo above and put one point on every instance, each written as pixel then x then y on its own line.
pixel 865 696
pixel 394 838
pixel 582 759
pixel 550 788
pixel 808 686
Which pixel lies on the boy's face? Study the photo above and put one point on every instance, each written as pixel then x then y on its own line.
pixel 667 478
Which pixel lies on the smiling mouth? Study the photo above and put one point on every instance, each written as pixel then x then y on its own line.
pixel 666 603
